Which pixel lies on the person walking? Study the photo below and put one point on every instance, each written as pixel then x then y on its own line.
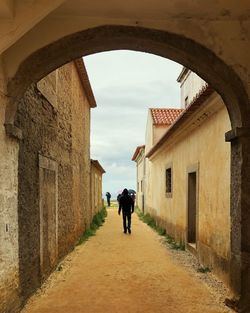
pixel 108 195
pixel 126 205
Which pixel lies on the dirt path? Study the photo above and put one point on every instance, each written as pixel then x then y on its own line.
pixel 114 272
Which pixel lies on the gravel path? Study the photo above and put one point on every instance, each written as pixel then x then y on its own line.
pixel 114 272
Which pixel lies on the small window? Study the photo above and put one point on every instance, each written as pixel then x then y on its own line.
pixel 186 101
pixel 168 180
pixel 141 185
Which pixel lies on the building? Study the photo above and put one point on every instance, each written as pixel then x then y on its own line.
pixel 54 183
pixel 96 186
pixel 190 85
pixel 158 121
pixel 139 158
pixel 188 175
pixel 215 44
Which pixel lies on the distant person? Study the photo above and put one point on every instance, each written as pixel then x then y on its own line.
pixel 126 204
pixel 108 196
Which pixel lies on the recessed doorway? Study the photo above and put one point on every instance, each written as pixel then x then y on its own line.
pixel 192 209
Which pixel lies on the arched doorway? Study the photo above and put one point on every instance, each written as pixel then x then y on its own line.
pixel 194 56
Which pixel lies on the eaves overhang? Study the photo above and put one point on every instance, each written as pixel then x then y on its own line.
pixel 82 72
pixel 98 166
pixel 137 151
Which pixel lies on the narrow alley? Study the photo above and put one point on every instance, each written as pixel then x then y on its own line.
pixel 114 272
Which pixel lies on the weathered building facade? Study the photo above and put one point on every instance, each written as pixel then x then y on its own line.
pixel 187 187
pixel 96 186
pixel 53 180
pixel 139 158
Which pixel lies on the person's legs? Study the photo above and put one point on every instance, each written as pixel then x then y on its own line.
pixel 129 222
pixel 124 222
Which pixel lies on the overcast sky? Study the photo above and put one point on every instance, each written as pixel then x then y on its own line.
pixel 125 85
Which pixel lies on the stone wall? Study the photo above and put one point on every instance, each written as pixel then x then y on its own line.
pixel 9 277
pixel 80 154
pixel 96 187
pixel 53 173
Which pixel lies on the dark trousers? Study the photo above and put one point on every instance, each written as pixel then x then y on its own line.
pixel 108 200
pixel 126 216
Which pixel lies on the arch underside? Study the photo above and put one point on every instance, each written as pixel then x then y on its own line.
pixel 105 38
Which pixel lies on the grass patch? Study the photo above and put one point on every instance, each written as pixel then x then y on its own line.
pixel 97 221
pixel 149 220
pixel 161 231
pixel 173 244
pixel 138 212
pixel 203 269
pixel 178 246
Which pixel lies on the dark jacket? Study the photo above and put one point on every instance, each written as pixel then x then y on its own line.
pixel 126 204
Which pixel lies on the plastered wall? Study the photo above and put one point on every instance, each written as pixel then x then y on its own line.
pixel 190 86
pixel 140 180
pixel 205 149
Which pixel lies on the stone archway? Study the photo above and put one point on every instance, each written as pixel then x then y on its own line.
pixel 194 56
pixel 104 38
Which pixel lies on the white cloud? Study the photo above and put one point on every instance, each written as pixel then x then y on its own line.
pixel 125 85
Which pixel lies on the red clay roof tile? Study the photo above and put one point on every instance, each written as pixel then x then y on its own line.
pixel 196 103
pixel 165 116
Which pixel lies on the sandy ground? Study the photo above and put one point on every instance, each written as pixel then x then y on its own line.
pixel 114 272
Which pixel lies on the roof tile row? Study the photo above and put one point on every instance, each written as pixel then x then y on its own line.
pixel 165 116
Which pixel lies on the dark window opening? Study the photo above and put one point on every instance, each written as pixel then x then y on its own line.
pixel 168 180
